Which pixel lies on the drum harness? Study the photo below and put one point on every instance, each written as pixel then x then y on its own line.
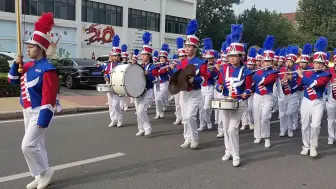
pixel 231 80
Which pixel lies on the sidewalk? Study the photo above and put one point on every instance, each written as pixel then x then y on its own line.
pixel 10 108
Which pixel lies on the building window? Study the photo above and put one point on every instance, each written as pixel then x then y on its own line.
pixel 101 13
pixel 143 20
pixel 176 25
pixel 63 9
pixel 7 6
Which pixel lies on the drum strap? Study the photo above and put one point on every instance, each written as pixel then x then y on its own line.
pixel 232 79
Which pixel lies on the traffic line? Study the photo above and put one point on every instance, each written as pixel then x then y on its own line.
pixel 64 166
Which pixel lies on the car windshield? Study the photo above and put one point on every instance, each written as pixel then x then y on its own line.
pixel 86 62
pixel 103 59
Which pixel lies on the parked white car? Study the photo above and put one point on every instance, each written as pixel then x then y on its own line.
pixel 9 56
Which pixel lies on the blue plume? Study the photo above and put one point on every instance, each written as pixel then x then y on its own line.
pixel 216 54
pixel 321 44
pixel 203 51
pixel 261 51
pixel 269 43
pixel 334 51
pixel 136 52
pixel 228 39
pixel 283 51
pixel 277 52
pixel 116 41
pixel 307 49
pixel 192 27
pixel 165 47
pixel 252 52
pixel 293 50
pixel 179 42
pixel 328 55
pixel 124 48
pixel 156 54
pixel 175 56
pixel 236 32
pixel 207 44
pixel 146 38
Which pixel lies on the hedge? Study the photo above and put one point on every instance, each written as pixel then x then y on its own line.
pixel 4 67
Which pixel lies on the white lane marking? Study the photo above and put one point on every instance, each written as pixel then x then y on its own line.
pixel 60 116
pixel 64 166
pixel 275 121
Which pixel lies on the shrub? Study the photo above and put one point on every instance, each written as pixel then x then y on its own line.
pixel 7 90
pixel 4 67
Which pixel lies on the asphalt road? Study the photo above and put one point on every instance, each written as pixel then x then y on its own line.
pixel 157 162
pixel 80 91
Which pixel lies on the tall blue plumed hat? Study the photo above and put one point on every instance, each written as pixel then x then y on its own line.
pixel 260 54
pixel 236 48
pixel 191 33
pixel 251 57
pixel 277 54
pixel 135 54
pixel 147 48
pixel 334 56
pixel 292 53
pixel 164 50
pixel 156 56
pixel 208 48
pixel 320 47
pixel 175 58
pixel 180 46
pixel 306 53
pixel 328 58
pixel 268 46
pixel 225 47
pixel 116 50
pixel 124 53
pixel 282 55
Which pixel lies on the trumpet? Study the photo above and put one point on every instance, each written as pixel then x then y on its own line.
pixel 302 71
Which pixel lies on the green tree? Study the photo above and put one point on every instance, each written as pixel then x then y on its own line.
pixel 258 24
pixel 214 18
pixel 317 18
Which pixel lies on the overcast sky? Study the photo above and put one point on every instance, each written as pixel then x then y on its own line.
pixel 284 6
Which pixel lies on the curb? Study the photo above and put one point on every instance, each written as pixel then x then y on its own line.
pixel 17 114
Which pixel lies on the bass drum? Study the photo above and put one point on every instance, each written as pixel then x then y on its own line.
pixel 128 80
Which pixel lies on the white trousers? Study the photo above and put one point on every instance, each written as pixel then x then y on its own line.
pixel 311 116
pixel 183 110
pixel 33 143
pixel 288 105
pixel 123 101
pixel 331 112
pixel 216 95
pixel 247 117
pixel 191 103
pixel 262 107
pixel 296 114
pixel 230 119
pixel 114 107
pixel 178 112
pixel 205 105
pixel 142 105
pixel 161 97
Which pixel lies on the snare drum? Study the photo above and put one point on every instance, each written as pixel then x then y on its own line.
pixel 104 87
pixel 128 80
pixel 226 103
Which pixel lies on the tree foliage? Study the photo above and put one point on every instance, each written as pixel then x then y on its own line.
pixel 258 24
pixel 214 18
pixel 317 18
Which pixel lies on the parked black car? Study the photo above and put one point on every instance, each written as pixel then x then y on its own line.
pixel 80 71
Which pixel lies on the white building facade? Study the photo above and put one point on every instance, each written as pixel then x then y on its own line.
pixel 84 27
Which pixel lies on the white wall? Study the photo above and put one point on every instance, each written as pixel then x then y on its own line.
pixel 180 8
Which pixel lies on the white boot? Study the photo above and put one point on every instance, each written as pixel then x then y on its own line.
pixel 220 135
pixel 119 124
pixel 313 152
pixel 226 157
pixel 304 151
pixel 186 144
pixel 243 128
pixel 34 183
pixel 330 141
pixel 140 133
pixel 112 124
pixel 251 126
pixel 177 121
pixel 236 161
pixel 267 143
pixel 290 133
pixel 45 179
pixel 257 141
pixel 194 144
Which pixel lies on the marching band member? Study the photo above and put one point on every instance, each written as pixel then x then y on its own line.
pixel 312 105
pixel 331 104
pixel 157 84
pixel 193 96
pixel 124 60
pixel 259 57
pixel 135 61
pixel 263 98
pixel 247 117
pixel 304 61
pixel 275 89
pixel 287 95
pixel 39 87
pixel 181 53
pixel 235 81
pixel 113 99
pixel 208 86
pixel 282 58
pixel 144 100
pixel 162 92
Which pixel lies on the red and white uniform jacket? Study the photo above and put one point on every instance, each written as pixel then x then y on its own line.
pixel 39 87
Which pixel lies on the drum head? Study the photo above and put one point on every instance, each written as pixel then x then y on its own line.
pixel 189 70
pixel 173 83
pixel 134 80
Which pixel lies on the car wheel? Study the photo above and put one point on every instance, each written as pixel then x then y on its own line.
pixel 69 82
